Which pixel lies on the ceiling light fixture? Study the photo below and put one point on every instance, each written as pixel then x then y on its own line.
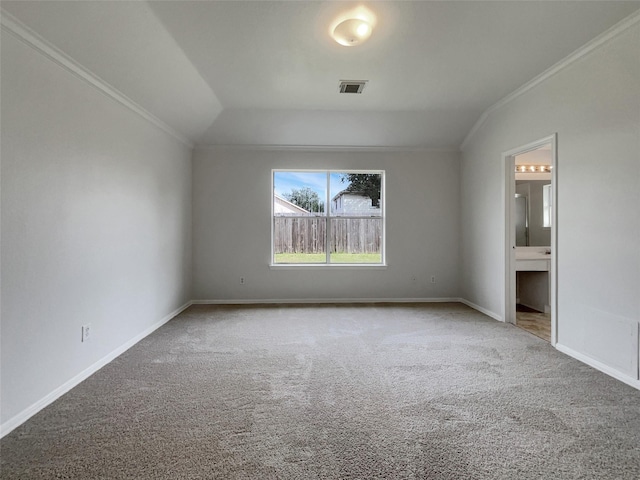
pixel 352 32
pixel 354 27
pixel 533 168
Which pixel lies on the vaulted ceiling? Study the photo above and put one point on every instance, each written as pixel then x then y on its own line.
pixel 267 73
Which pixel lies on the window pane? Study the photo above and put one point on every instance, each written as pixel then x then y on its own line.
pixel 546 205
pixel 356 194
pixel 320 213
pixel 299 240
pixel 356 240
pixel 299 193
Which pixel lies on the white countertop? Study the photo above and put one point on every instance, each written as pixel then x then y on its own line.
pixel 532 258
pixel 532 255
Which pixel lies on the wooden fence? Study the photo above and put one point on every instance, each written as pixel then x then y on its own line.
pixel 308 235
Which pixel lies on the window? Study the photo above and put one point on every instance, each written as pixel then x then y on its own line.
pixel 546 205
pixel 328 217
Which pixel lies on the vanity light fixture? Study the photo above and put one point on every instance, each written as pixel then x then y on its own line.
pixel 354 27
pixel 533 168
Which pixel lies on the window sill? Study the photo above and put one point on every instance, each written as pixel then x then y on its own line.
pixel 327 266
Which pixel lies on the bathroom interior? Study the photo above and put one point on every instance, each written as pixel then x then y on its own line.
pixel 533 217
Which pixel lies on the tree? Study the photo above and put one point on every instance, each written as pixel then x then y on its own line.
pixel 367 183
pixel 305 198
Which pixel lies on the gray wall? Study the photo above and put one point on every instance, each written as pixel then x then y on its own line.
pixel 232 222
pixel 96 222
pixel 594 106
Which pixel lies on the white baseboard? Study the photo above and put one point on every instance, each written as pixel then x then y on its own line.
pixel 284 301
pixel 254 301
pixel 488 313
pixel 599 366
pixel 30 411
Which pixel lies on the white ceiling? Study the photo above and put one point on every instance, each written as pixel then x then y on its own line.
pixel 266 73
pixel 539 156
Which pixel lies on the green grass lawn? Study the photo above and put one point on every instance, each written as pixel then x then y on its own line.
pixel 321 258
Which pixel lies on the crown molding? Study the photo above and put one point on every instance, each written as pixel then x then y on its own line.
pixel 587 48
pixel 323 148
pixel 30 38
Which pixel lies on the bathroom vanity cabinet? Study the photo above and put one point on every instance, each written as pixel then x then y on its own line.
pixel 533 277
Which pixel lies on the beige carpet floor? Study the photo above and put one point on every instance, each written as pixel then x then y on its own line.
pixel 434 391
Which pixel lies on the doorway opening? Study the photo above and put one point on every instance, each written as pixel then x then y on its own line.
pixel 530 237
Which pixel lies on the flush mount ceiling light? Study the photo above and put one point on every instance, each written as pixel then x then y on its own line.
pixel 352 32
pixel 353 27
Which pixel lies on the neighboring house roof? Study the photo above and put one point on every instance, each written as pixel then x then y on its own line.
pixel 282 205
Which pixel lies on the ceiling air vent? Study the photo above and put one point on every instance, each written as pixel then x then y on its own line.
pixel 352 86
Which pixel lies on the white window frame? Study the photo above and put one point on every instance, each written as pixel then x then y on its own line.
pixel 547 206
pixel 327 218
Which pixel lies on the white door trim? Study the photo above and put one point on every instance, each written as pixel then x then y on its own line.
pixel 509 230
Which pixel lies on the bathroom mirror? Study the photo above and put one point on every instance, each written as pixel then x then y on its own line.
pixel 530 229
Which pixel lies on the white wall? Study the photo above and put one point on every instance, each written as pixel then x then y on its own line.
pixel 96 222
pixel 594 106
pixel 232 226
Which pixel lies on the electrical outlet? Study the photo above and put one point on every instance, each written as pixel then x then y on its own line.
pixel 242 281
pixel 433 279
pixel 86 332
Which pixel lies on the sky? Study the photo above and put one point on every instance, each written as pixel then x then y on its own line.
pixel 284 182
